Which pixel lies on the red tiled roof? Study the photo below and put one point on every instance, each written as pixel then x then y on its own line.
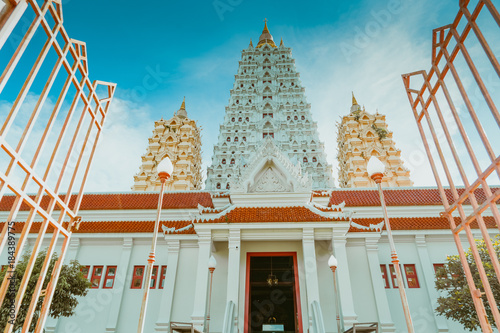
pixel 137 200
pixel 398 197
pixel 270 214
pixel 113 227
pixel 417 223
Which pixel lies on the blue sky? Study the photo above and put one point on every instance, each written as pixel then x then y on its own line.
pixel 159 51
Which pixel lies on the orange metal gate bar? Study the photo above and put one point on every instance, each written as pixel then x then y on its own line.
pixel 94 104
pixel 434 82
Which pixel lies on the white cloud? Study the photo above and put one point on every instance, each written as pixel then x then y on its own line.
pixel 123 141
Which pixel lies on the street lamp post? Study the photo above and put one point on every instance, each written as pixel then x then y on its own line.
pixel 212 263
pixel 332 262
pixel 164 169
pixel 376 170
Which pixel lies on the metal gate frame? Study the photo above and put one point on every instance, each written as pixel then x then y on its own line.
pixel 72 58
pixel 443 56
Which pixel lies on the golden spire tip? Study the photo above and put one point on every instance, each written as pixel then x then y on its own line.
pixel 183 105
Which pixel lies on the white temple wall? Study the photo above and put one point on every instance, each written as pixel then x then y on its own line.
pixel 361 281
pixel 182 306
pixel 96 311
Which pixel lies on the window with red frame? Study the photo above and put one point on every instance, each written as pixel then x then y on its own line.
pixel 411 276
pixel 385 277
pixel 137 275
pixel 163 272
pixel 232 161
pixel 154 277
pixel 96 276
pixel 85 270
pixel 393 276
pixel 109 278
pixel 440 272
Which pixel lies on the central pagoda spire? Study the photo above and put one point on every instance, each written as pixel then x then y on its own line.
pixel 266 37
pixel 267 102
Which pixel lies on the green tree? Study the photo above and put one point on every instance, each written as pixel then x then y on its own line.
pixel 456 302
pixel 71 284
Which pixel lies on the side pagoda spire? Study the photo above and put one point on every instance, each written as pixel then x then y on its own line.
pixel 178 138
pixel 360 136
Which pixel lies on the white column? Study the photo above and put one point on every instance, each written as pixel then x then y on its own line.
pixel 167 295
pixel 233 270
pixel 344 280
pixel 201 286
pixel 384 313
pixel 73 248
pixel 311 272
pixel 429 276
pixel 119 285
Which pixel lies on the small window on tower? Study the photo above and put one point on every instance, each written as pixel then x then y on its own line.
pixel 228 139
pixel 288 118
pixel 303 117
pixel 293 84
pixel 236 139
pixel 237 101
pixel 240 119
pixel 232 161
pixel 314 159
pixel 247 119
pixel 227 186
pixel 223 161
pixel 305 160
pixel 218 186
pixel 232 119
pixel 295 118
pixel 244 139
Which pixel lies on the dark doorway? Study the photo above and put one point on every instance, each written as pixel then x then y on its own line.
pixel 272 293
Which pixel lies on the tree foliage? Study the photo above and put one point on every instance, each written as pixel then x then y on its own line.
pixel 456 302
pixel 71 284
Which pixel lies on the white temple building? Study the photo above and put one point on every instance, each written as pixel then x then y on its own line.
pixel 271 218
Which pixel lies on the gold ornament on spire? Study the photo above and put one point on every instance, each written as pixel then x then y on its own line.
pixel 354 102
pixel 281 43
pixel 181 113
pixel 266 37
pixel 183 105
pixel 251 44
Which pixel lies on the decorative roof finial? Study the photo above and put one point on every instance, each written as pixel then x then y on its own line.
pixel 183 105
pixel 266 37
pixel 354 102
pixel 251 44
pixel 281 43
pixel 181 113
